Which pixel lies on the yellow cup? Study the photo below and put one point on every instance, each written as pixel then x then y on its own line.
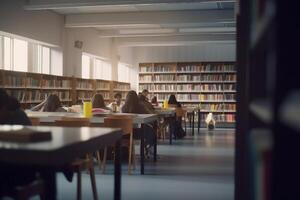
pixel 87 109
pixel 166 104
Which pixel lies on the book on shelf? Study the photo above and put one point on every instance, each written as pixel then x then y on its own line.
pixel 168 77
pixel 84 84
pixel 32 82
pixel 164 68
pixel 102 85
pixel 15 81
pixel 229 118
pixel 146 78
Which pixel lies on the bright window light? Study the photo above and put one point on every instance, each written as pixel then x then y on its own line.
pixel 123 72
pixel 45 60
pixel 56 62
pixel 85 66
pixel 7 53
pixel 20 55
pixel 102 69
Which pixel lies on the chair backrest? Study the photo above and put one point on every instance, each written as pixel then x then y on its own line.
pixel 180 112
pixel 35 121
pixel 72 122
pixel 120 121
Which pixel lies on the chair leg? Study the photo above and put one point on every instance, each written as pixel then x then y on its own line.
pixel 93 181
pixel 78 185
pixel 104 160
pixel 130 154
pixel 99 159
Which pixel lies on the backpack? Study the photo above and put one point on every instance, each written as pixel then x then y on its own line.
pixel 179 132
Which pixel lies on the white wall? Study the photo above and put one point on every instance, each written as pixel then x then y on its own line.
pixel 92 44
pixel 43 26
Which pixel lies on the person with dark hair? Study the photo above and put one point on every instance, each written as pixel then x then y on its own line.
pixel 134 105
pixel 117 104
pixel 148 106
pixel 53 104
pixel 10 110
pixel 173 101
pixel 98 102
pixel 145 92
pixel 154 101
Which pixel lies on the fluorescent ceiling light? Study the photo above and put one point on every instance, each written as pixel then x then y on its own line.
pixel 207 30
pixel 147 31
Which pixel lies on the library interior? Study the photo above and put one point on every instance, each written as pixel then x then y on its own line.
pixel 149 99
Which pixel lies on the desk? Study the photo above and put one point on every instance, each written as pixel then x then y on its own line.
pixel 66 145
pixel 138 119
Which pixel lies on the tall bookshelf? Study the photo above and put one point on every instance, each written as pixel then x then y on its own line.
pixel 211 86
pixel 120 87
pixel 32 88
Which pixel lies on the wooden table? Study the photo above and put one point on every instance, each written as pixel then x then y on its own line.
pixel 66 145
pixel 138 120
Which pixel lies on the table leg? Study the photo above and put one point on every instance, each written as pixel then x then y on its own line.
pixel 49 177
pixel 155 148
pixel 171 130
pixel 198 111
pixel 193 115
pixel 117 176
pixel 142 148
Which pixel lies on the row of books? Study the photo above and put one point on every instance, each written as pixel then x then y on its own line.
pixel 218 106
pixel 84 84
pixel 36 95
pixel 106 95
pixel 172 77
pixel 102 85
pixel 15 81
pixel 220 117
pixel 211 97
pixel 189 68
pixel 56 83
pixel 188 87
pixel 120 86
pixel 84 95
pixel 208 67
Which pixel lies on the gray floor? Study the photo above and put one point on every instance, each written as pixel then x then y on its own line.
pixel 199 167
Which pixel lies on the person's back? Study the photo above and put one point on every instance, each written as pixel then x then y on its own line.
pixel 10 110
pixel 98 102
pixel 53 104
pixel 133 105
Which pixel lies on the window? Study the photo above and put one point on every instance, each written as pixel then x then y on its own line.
pixel 7 53
pixel 123 72
pixel 85 66
pixel 102 69
pixel 45 60
pixel 20 55
pixel 1 52
pixel 56 62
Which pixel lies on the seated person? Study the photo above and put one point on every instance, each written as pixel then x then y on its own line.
pixel 11 113
pixel 154 101
pixel 117 104
pixel 133 105
pixel 50 104
pixel 173 101
pixel 148 106
pixel 145 92
pixel 98 102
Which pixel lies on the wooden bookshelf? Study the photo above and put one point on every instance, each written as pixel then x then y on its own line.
pixel 32 88
pixel 201 84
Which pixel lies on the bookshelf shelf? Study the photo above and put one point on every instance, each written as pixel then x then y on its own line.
pixel 33 88
pixel 215 81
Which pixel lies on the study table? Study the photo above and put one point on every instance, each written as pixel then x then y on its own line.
pixel 139 120
pixel 66 145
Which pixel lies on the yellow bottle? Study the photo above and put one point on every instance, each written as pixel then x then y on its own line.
pixel 87 109
pixel 166 104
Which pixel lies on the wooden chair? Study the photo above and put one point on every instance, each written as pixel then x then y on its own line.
pixel 34 121
pixel 80 164
pixel 181 115
pixel 125 123
pixel 25 192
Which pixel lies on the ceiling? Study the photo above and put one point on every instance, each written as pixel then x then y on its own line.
pixel 146 20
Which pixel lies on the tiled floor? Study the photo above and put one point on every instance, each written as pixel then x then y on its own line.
pixel 199 167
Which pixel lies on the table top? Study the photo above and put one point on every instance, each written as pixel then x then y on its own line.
pixel 165 112
pixel 52 116
pixel 66 144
